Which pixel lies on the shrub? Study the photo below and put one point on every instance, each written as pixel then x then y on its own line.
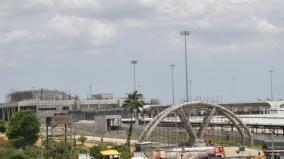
pixel 2 126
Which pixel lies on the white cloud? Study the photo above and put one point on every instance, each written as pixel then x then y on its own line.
pixel 12 36
pixel 244 1
pixel 266 27
pixel 65 4
pixel 92 24
pixel 79 29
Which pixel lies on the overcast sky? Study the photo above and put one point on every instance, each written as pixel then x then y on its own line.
pixel 71 44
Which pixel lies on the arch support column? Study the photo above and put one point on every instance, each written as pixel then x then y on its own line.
pixel 187 125
pixel 205 123
pixel 235 123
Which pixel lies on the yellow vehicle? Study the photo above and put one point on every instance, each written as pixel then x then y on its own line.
pixel 110 154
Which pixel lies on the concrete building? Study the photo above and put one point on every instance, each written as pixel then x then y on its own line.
pixel 44 102
pixel 53 102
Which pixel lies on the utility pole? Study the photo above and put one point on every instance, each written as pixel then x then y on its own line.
pixel 185 33
pixel 271 85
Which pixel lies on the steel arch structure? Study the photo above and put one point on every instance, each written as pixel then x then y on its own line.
pixel 194 137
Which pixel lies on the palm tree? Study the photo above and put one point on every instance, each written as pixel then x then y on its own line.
pixel 132 104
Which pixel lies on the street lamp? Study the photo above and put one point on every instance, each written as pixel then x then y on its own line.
pixel 271 86
pixel 185 33
pixel 173 87
pixel 134 62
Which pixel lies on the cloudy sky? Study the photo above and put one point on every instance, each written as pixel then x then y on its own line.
pixel 71 44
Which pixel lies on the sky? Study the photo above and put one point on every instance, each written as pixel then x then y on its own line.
pixel 72 44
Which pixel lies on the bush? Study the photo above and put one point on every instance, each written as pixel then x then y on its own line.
pixel 125 154
pixel 2 126
pixel 33 151
pixel 95 151
pixel 9 152
pixel 5 152
pixel 18 155
pixel 58 150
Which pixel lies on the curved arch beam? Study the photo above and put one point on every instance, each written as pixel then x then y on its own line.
pixel 205 123
pixel 235 123
pixel 151 123
pixel 230 113
pixel 166 112
pixel 188 127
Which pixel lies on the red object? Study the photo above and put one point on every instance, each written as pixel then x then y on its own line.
pixel 220 151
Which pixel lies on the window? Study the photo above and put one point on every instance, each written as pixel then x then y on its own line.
pixel 65 108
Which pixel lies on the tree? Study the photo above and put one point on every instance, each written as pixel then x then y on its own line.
pixel 23 128
pixel 132 104
pixel 82 139
pixel 2 126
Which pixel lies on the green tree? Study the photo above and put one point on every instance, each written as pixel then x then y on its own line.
pixel 133 103
pixel 2 126
pixel 23 128
pixel 82 139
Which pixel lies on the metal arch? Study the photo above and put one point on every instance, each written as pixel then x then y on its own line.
pixel 153 124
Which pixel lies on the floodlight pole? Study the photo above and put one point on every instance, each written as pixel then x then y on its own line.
pixel 134 62
pixel 186 33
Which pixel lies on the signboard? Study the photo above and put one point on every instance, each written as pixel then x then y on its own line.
pixel 59 120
